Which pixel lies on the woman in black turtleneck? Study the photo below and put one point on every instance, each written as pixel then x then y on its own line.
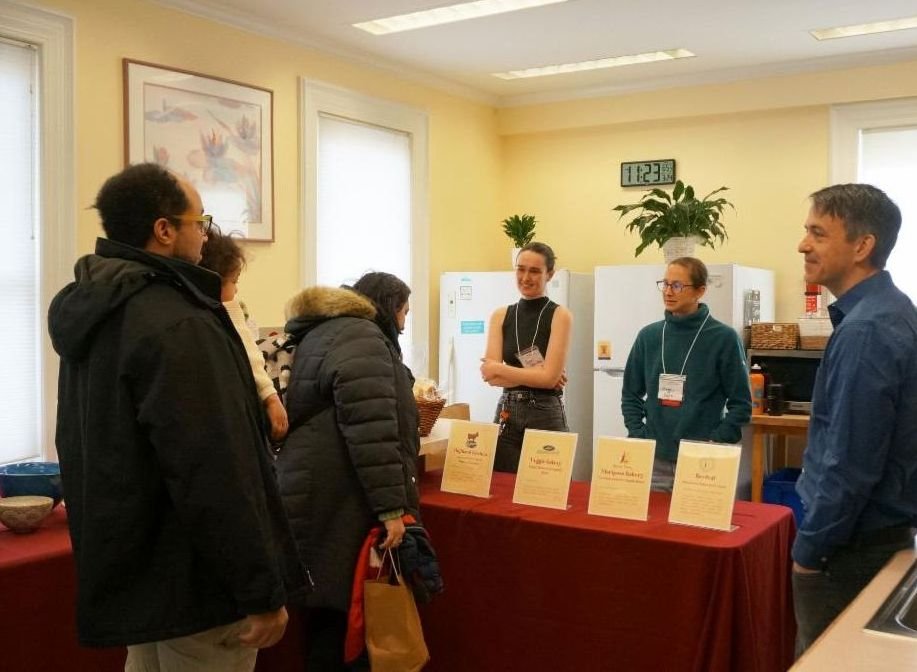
pixel 527 346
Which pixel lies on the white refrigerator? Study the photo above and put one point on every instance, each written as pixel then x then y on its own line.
pixel 466 303
pixel 627 299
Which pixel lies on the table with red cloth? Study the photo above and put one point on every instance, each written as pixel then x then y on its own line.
pixel 532 589
pixel 38 609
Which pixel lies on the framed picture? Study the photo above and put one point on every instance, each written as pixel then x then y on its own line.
pixel 213 132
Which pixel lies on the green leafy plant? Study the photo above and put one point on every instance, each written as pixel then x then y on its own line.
pixel 662 216
pixel 520 228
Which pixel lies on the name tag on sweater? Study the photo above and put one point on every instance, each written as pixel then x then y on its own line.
pixel 671 389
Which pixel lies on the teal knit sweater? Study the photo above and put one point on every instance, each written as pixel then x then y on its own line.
pixel 717 379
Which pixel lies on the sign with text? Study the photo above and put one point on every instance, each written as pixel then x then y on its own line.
pixel 622 473
pixel 470 454
pixel 545 468
pixel 705 484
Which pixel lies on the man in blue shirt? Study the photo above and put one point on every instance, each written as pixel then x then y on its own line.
pixel 859 479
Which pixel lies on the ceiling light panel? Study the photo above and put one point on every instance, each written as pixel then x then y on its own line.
pixel 449 14
pixel 614 62
pixel 864 29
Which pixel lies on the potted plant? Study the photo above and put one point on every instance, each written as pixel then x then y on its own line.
pixel 678 220
pixel 521 230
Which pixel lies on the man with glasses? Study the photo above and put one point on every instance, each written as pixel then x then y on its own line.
pixel 182 550
pixel 683 373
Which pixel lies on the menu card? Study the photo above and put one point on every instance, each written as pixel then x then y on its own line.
pixel 622 473
pixel 705 484
pixel 470 453
pixel 545 468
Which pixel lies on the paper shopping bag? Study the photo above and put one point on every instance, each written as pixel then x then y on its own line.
pixel 394 638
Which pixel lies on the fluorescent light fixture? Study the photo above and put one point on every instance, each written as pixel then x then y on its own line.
pixel 864 29
pixel 614 62
pixel 449 14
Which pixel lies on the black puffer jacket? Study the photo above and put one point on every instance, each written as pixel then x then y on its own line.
pixel 352 449
pixel 176 521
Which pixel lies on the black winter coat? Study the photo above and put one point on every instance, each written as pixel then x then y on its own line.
pixel 351 453
pixel 174 512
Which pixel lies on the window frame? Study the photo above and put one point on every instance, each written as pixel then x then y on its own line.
pixel 318 98
pixel 52 35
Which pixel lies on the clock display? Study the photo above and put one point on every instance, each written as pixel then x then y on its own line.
pixel 645 173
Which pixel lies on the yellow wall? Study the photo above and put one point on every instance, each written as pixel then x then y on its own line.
pixel 767 139
pixel 770 161
pixel 464 145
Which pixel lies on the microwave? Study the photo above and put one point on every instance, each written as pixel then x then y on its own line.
pixel 794 369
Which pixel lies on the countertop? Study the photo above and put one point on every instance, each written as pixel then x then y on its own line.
pixel 845 645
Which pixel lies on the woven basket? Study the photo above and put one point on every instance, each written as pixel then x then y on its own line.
pixel 428 412
pixel 774 335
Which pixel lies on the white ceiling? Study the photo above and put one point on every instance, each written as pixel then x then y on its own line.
pixel 732 40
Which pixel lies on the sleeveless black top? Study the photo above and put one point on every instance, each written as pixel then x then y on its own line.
pixel 529 310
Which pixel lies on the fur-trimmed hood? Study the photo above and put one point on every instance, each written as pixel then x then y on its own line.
pixel 317 303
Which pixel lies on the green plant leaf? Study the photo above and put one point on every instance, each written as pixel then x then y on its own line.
pixel 659 216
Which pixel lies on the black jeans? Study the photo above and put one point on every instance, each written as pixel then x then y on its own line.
pixel 527 410
pixel 820 598
pixel 324 631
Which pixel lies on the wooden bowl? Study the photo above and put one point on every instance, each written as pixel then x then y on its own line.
pixel 24 514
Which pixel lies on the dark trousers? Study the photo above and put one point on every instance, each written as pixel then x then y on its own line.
pixel 820 598
pixel 527 410
pixel 325 631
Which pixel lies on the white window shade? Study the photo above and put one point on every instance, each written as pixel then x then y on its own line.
pixel 888 160
pixel 20 338
pixel 364 201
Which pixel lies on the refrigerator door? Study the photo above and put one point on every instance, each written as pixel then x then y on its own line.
pixel 606 410
pixel 626 300
pixel 466 303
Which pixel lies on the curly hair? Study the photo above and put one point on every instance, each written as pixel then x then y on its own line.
pixel 222 254
pixel 131 201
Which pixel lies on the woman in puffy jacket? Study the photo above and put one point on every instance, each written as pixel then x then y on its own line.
pixel 349 461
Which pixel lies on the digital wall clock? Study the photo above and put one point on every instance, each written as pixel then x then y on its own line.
pixel 647 173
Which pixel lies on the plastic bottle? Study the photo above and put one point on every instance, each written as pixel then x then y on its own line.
pixel 756 379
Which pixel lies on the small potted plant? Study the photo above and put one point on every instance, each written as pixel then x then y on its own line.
pixel 677 221
pixel 521 230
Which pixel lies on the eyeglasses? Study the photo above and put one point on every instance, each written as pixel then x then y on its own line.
pixel 204 222
pixel 676 286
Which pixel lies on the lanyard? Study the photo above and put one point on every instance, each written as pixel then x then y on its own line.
pixel 689 349
pixel 537 324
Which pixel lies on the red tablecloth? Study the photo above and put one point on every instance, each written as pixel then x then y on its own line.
pixel 532 589
pixel 526 589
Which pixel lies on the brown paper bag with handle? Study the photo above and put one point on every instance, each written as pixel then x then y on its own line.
pixel 394 637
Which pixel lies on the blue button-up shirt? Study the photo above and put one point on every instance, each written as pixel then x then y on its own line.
pixel 860 465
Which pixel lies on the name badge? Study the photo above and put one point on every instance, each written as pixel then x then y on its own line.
pixel 530 357
pixel 671 389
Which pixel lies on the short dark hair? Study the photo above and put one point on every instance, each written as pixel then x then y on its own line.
pixel 132 200
pixel 695 267
pixel 222 254
pixel 550 259
pixel 388 292
pixel 863 209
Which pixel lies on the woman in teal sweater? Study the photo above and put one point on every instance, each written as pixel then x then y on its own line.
pixel 683 372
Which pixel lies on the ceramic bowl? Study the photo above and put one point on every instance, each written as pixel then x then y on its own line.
pixel 31 478
pixel 24 514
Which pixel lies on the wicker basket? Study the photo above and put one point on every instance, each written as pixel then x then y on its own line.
pixel 774 335
pixel 428 412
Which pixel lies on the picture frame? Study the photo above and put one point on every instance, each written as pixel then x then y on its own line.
pixel 216 133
